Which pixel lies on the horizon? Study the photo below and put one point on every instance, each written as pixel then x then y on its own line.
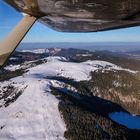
pixel 91 46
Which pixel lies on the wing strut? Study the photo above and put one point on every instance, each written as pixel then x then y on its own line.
pixel 10 43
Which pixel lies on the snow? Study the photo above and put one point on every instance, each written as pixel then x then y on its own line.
pixel 13 58
pixel 58 66
pixel 35 115
pixel 41 51
pixel 128 120
pixel 87 54
pixel 12 67
pixel 37 51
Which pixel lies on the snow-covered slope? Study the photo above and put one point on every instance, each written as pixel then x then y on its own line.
pixel 59 66
pixel 41 51
pixel 35 115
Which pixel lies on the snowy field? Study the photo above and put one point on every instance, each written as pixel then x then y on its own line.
pixel 128 120
pixel 35 115
pixel 59 66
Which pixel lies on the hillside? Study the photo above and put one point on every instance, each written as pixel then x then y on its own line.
pixel 44 96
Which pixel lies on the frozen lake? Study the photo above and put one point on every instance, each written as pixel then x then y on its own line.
pixel 128 120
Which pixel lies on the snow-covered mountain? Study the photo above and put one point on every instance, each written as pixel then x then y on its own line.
pixel 42 51
pixel 28 108
pixel 59 66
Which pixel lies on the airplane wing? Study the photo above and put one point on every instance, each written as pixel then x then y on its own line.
pixel 82 15
pixel 74 16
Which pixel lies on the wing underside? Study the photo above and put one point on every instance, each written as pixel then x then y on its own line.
pixel 82 15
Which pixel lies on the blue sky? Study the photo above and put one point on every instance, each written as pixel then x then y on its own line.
pixel 40 33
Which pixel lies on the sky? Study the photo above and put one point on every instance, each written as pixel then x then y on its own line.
pixel 9 17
